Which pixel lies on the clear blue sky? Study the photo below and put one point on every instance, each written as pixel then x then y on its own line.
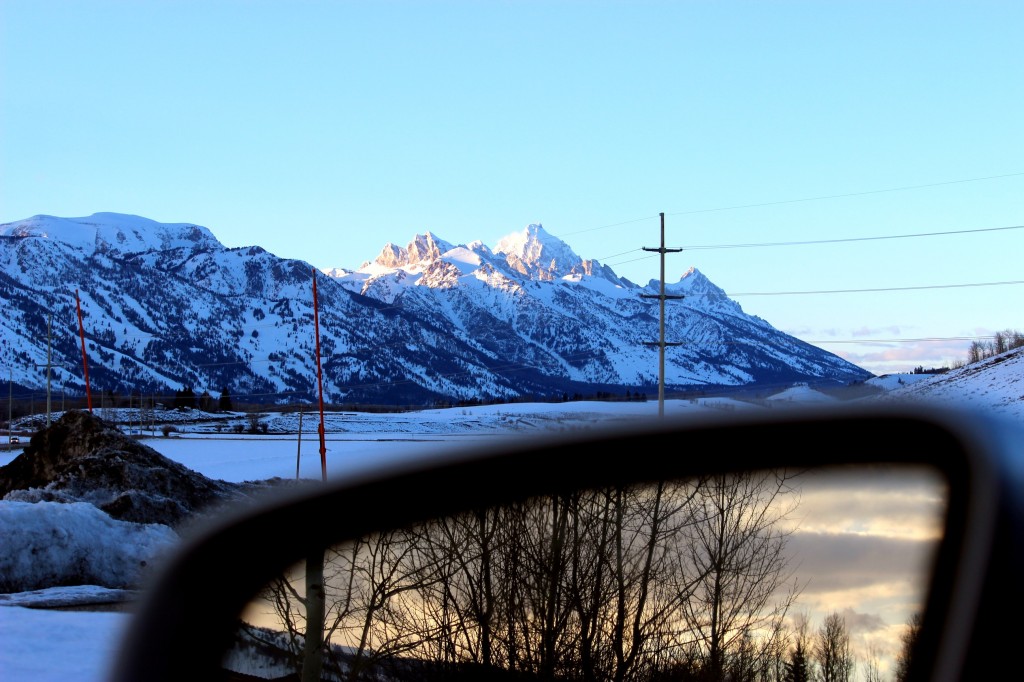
pixel 323 130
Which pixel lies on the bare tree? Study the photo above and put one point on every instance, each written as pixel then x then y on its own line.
pixel 617 584
pixel 652 583
pixel 370 605
pixel 975 352
pixel 737 550
pixel 832 650
pixel 775 653
pixel 373 599
pixel 999 343
pixel 464 600
pixel 872 665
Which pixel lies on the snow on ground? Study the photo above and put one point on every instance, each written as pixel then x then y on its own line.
pixel 359 440
pixel 890 381
pixel 42 645
pixel 69 597
pixel 800 393
pixel 354 441
pixel 55 543
pixel 995 384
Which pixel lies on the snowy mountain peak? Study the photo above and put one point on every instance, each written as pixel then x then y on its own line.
pixel 337 273
pixel 423 249
pixel 391 256
pixel 537 254
pixel 693 283
pixel 698 290
pixel 112 232
pixel 427 247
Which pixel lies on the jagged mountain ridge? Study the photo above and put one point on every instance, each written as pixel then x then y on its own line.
pixel 166 306
pixel 533 288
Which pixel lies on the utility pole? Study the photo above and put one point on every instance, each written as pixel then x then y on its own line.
pixel 298 448
pixel 85 359
pixel 49 364
pixel 312 654
pixel 662 297
pixel 49 372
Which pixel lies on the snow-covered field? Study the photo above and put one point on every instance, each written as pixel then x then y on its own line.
pixel 86 639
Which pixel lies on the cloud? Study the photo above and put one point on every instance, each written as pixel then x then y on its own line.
pixel 895 357
pixel 848 562
pixel 892 502
pixel 869 332
pixel 884 349
pixel 862 622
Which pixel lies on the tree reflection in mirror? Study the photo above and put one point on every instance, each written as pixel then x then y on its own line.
pixel 768 575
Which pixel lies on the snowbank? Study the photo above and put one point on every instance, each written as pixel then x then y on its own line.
pixel 49 543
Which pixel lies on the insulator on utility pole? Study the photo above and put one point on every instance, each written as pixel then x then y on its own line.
pixel 662 297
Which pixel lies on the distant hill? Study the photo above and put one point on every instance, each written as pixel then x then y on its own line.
pixel 888 382
pixel 994 384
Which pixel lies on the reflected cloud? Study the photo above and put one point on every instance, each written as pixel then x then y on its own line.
pixel 862 546
pixel 839 562
pixel 863 622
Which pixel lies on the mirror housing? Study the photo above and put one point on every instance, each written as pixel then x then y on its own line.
pixel 188 619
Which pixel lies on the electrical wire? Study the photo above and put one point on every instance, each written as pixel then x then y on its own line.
pixel 844 240
pixel 807 242
pixel 823 197
pixel 879 289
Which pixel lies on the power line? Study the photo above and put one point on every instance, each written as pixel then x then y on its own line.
pixel 880 289
pixel 927 339
pixel 860 341
pixel 822 197
pixel 852 239
pixel 840 240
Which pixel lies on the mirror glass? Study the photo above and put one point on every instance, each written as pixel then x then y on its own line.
pixel 754 576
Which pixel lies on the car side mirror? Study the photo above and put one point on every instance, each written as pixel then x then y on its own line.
pixel 608 553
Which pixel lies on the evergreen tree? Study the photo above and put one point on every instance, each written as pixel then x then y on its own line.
pixel 796 668
pixel 185 398
pixel 224 404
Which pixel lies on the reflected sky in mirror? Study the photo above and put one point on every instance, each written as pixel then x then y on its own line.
pixel 715 577
pixel 862 546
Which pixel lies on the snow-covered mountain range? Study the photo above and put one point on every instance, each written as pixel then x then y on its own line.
pixel 167 307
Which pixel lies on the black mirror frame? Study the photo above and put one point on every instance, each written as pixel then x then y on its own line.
pixel 187 621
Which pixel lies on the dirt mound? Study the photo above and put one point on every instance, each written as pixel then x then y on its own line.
pixel 82 458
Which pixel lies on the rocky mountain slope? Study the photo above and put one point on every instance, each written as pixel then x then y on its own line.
pixel 167 307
